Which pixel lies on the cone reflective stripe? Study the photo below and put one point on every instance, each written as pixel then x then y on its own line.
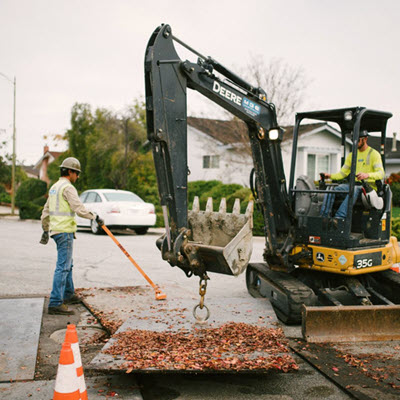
pixel 72 336
pixel 66 387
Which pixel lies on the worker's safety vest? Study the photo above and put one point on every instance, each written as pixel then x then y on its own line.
pixel 62 218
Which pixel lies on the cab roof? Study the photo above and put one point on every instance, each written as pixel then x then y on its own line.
pixel 371 120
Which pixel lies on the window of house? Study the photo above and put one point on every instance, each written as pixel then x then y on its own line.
pixel 317 163
pixel 210 161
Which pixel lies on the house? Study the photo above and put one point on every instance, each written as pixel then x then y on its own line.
pixel 217 150
pixel 30 171
pixel 392 150
pixel 47 158
pixel 220 150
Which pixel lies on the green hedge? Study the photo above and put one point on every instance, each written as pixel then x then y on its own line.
pixel 4 196
pixel 217 190
pixel 395 188
pixel 396 227
pixel 30 198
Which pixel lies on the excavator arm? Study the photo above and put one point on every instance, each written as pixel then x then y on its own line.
pixel 167 78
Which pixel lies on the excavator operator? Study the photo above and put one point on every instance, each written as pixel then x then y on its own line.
pixel 369 168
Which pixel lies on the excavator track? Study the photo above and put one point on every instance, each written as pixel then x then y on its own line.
pixel 286 293
pixel 388 282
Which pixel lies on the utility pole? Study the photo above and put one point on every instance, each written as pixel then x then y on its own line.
pixel 13 139
pixel 13 155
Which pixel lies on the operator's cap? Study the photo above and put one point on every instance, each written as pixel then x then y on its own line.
pixel 71 163
pixel 364 133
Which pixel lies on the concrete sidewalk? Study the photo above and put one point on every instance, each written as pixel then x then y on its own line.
pixel 5 212
pixel 122 387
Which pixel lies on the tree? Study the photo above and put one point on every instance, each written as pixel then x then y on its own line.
pixel 285 85
pixel 77 136
pixel 109 146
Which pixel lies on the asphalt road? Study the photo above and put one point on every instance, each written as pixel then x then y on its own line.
pixel 26 268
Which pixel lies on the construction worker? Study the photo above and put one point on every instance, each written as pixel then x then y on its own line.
pixel 369 168
pixel 58 217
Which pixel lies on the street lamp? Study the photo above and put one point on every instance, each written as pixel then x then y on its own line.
pixel 14 82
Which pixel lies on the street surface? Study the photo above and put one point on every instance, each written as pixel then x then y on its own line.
pixel 27 269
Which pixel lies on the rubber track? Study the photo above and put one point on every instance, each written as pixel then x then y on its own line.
pixel 295 291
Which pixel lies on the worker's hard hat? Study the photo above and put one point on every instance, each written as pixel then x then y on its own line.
pixel 71 163
pixel 364 133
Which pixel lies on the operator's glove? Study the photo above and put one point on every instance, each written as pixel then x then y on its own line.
pixel 99 221
pixel 45 238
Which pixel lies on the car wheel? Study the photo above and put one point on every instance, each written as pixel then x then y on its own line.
pixel 141 231
pixel 94 226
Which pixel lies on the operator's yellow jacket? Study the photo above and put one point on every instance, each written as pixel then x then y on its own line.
pixel 368 161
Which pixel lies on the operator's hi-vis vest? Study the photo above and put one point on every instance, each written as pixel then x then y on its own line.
pixel 62 219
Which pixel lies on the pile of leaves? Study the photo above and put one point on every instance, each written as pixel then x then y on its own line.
pixel 233 346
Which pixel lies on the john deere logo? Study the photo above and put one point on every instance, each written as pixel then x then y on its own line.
pixel 320 257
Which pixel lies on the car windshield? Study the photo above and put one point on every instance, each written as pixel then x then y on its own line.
pixel 122 197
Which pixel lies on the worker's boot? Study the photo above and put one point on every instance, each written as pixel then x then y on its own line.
pixel 61 310
pixel 74 299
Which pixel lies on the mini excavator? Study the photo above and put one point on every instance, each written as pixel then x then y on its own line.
pixel 333 275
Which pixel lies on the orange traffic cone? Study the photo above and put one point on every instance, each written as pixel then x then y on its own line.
pixel 396 268
pixel 66 382
pixel 71 336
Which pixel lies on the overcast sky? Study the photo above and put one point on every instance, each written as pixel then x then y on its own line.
pixel 92 51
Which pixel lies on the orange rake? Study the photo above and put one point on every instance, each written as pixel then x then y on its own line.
pixel 159 294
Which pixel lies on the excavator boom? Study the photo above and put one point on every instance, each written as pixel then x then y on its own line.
pixel 167 78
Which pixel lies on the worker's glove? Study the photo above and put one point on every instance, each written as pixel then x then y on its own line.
pixel 45 238
pixel 99 221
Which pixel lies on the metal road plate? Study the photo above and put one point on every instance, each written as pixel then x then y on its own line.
pixel 19 337
pixel 176 315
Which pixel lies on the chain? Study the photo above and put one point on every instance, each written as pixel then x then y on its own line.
pixel 202 291
pixel 201 305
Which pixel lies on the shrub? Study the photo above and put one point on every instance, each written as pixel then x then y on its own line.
pixel 393 178
pixel 30 198
pixel 199 188
pixel 395 188
pixel 30 210
pixel 217 190
pixel 396 227
pixel 4 196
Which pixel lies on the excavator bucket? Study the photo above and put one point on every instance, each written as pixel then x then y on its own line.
pixel 222 240
pixel 351 323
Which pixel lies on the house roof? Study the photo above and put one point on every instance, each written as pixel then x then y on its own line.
pixel 235 131
pixel 52 155
pixel 375 142
pixel 30 169
pixel 227 132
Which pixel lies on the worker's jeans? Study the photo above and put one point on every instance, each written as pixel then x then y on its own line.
pixel 330 198
pixel 63 286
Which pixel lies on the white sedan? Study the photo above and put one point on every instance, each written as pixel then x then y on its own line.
pixel 118 209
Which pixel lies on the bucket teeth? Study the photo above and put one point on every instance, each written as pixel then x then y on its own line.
pixel 209 205
pixel 250 208
pixel 236 207
pixel 196 204
pixel 222 206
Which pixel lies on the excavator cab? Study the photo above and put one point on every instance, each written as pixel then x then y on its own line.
pixel 367 224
